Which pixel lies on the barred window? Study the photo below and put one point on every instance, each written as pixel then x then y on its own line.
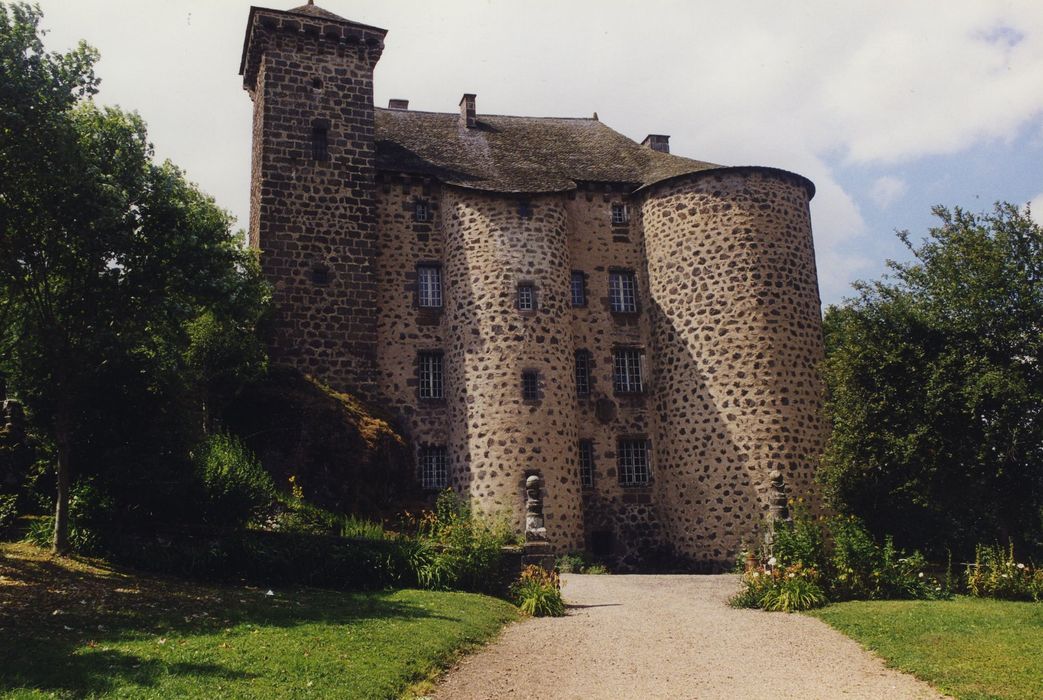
pixel 626 371
pixel 526 297
pixel 583 372
pixel 434 471
pixel 632 459
pixel 429 285
pixel 622 291
pixel 421 210
pixel 319 143
pixel 530 386
pixel 620 214
pixel 579 289
pixel 586 463
pixel 430 370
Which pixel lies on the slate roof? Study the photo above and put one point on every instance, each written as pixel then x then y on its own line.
pixel 315 11
pixel 519 154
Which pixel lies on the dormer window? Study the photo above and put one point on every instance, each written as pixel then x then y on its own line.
pixel 421 210
pixel 620 214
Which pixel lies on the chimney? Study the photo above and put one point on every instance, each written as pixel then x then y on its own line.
pixel 657 142
pixel 398 104
pixel 468 117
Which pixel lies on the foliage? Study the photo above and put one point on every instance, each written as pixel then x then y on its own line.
pixel 111 269
pixel 353 527
pixel 458 548
pixel 780 589
pixel 579 563
pixel 996 573
pixel 89 512
pixel 799 539
pixel 538 592
pixel 968 648
pixel 124 634
pixel 234 483
pixel 8 511
pixel 935 381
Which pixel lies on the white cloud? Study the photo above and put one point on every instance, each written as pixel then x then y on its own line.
pixel 887 190
pixel 1036 207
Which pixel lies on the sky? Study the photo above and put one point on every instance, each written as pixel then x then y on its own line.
pixel 890 107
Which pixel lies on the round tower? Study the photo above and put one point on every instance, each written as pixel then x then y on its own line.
pixel 507 298
pixel 736 338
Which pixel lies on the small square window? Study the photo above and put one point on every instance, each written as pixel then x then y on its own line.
pixel 319 143
pixel 434 468
pixel 421 210
pixel 320 275
pixel 429 286
pixel 430 375
pixel 526 297
pixel 525 209
pixel 626 371
pixel 586 464
pixel 622 291
pixel 583 373
pixel 620 214
pixel 530 385
pixel 579 288
pixel 633 462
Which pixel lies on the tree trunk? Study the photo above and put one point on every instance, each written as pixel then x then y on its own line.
pixel 63 440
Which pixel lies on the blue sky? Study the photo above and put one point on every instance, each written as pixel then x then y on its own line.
pixel 889 106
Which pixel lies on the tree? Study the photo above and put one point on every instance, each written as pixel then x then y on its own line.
pixel 936 388
pixel 107 259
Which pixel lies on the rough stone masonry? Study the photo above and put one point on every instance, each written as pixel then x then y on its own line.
pixel 539 296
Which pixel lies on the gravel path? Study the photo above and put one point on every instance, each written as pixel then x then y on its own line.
pixel 672 637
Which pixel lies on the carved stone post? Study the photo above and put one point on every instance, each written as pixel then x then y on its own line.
pixel 537 548
pixel 778 509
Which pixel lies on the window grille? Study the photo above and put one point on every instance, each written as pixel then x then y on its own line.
pixel 622 292
pixel 319 143
pixel 429 285
pixel 434 471
pixel 421 210
pixel 583 373
pixel 633 462
pixel 431 376
pixel 586 463
pixel 526 297
pixel 579 289
pixel 620 214
pixel 530 386
pixel 626 371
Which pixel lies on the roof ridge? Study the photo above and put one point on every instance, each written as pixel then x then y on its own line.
pixel 480 114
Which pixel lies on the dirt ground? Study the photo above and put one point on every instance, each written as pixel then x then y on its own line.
pixel 672 637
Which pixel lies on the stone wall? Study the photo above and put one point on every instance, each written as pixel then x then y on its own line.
pixel 496 439
pixel 312 214
pixel 736 336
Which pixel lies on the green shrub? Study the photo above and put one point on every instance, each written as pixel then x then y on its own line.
pixel 799 540
pixel 996 573
pixel 596 570
pixel 538 593
pixel 579 563
pixel 459 548
pixel 356 528
pixel 235 484
pixel 8 511
pixel 780 589
pixel 90 512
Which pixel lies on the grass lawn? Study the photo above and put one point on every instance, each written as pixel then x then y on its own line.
pixel 80 629
pixel 969 648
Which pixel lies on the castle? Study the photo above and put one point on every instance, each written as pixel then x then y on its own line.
pixel 538 296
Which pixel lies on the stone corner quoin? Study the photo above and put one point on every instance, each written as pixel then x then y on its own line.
pixel 539 296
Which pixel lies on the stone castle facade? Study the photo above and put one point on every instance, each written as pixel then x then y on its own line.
pixel 538 296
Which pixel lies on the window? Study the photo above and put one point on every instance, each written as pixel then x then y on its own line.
pixel 524 208
pixel 320 275
pixel 583 372
pixel 530 386
pixel 526 297
pixel 434 472
pixel 319 143
pixel 620 214
pixel 429 286
pixel 633 462
pixel 430 371
pixel 579 288
pixel 586 464
pixel 421 210
pixel 622 292
pixel 626 371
